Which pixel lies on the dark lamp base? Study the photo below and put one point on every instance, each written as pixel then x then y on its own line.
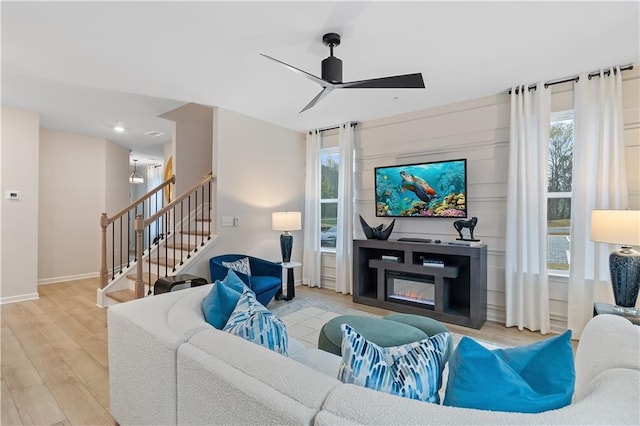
pixel 286 244
pixel 624 266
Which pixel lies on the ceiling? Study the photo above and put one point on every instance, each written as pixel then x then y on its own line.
pixel 85 65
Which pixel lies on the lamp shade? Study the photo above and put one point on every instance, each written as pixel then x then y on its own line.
pixel 616 227
pixel 286 221
pixel 136 178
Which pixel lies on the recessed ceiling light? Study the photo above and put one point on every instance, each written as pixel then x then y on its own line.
pixel 118 127
pixel 154 133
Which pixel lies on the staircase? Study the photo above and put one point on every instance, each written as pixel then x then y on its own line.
pixel 165 235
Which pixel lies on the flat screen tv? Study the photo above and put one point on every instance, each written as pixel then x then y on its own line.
pixel 436 189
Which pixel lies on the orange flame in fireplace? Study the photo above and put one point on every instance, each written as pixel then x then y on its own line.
pixel 411 295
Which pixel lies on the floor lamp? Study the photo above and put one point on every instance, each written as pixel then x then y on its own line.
pixel 620 227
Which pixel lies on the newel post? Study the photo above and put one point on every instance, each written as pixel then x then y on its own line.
pixel 104 273
pixel 139 228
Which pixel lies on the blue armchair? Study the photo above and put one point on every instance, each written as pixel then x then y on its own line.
pixel 265 279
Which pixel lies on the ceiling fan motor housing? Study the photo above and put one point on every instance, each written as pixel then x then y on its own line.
pixel 332 70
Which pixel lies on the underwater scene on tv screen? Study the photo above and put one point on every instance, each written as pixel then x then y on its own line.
pixel 422 190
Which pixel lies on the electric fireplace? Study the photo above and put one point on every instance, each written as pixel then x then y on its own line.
pixel 412 289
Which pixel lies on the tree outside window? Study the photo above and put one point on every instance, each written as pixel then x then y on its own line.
pixel 329 166
pixel 559 190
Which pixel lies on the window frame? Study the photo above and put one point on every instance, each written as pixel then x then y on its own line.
pixel 556 117
pixel 323 152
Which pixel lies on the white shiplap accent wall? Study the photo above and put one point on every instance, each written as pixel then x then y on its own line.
pixel 477 130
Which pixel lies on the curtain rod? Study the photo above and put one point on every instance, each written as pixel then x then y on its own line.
pixel 353 124
pixel 575 78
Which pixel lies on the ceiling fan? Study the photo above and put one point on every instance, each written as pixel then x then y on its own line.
pixel 332 75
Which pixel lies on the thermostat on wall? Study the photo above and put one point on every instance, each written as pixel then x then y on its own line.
pixel 12 195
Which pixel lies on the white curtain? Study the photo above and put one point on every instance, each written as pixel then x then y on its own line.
pixel 344 236
pixel 526 282
pixel 311 251
pixel 599 182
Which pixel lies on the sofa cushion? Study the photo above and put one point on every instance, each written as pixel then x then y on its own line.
pixel 412 370
pixel 528 379
pixel 317 359
pixel 240 265
pixel 223 379
pixel 255 323
pixel 218 305
pixel 593 357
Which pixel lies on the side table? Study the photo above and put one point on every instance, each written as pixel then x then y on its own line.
pixel 291 292
pixel 606 308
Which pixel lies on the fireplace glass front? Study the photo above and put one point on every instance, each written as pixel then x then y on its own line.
pixel 411 288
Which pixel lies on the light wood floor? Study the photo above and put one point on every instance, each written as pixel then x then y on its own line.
pixel 55 361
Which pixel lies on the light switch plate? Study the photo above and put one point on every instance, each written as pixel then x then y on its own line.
pixel 12 195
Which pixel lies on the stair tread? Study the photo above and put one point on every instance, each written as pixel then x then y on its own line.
pixel 164 261
pixel 204 232
pixel 182 246
pixel 145 278
pixel 122 296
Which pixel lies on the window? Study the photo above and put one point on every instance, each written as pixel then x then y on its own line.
pixel 329 163
pixel 559 190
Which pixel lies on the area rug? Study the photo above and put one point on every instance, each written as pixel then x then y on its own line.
pixel 283 308
pixel 304 317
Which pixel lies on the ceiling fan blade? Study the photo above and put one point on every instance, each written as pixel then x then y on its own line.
pixel 311 77
pixel 324 92
pixel 407 81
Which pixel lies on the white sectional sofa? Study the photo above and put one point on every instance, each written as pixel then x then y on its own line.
pixel 168 366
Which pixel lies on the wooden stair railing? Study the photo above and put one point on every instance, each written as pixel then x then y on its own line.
pixel 187 217
pixel 119 241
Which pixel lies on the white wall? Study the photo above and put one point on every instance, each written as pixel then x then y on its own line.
pixel 19 218
pixel 80 178
pixel 477 130
pixel 192 144
pixel 116 178
pixel 259 169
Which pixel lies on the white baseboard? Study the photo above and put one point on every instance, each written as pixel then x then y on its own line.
pixel 19 298
pixel 68 278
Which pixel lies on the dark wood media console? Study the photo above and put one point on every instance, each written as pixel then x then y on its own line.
pixel 457 291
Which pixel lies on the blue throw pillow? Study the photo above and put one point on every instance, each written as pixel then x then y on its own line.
pixel 526 379
pixel 255 323
pixel 218 305
pixel 413 370
pixel 233 281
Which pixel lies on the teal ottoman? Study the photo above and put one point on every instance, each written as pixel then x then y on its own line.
pixel 430 326
pixel 392 330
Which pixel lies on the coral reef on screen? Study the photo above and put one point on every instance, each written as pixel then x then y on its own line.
pixel 427 190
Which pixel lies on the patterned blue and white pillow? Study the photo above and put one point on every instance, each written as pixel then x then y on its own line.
pixel 240 265
pixel 255 323
pixel 412 371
